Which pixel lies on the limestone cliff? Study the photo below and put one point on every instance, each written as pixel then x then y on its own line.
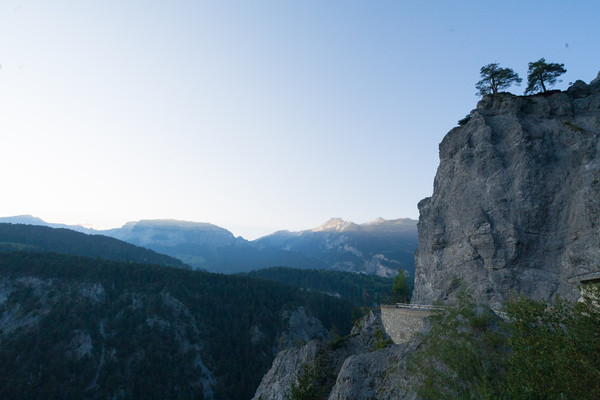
pixel 362 366
pixel 516 200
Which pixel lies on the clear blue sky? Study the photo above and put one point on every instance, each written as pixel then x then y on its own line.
pixel 253 115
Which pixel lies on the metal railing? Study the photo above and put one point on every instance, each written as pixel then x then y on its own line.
pixel 431 307
pixel 423 307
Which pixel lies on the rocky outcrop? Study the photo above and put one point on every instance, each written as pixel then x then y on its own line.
pixel 303 340
pixel 285 370
pixel 516 200
pixel 301 328
pixel 364 365
pixel 376 375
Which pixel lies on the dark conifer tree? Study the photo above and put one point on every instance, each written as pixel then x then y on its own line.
pixel 542 75
pixel 494 79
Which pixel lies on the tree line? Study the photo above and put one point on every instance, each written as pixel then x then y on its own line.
pixel 360 289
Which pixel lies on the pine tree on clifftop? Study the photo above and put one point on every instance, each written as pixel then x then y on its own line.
pixel 494 78
pixel 542 74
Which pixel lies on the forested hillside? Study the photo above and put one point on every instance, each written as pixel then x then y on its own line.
pixel 361 289
pixel 76 327
pixel 15 237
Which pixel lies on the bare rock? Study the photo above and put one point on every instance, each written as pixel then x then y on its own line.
pixel 515 206
pixel 596 81
pixel 375 375
pixel 301 329
pixel 276 384
pixel 363 365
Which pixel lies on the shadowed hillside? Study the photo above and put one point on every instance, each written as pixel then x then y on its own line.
pixel 65 241
pixel 77 327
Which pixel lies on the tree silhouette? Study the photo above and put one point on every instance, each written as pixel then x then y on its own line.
pixel 542 74
pixel 494 78
pixel 400 288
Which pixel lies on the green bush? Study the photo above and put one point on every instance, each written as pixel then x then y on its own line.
pixel 464 121
pixel 540 351
pixel 380 340
pixel 306 387
pixel 555 350
pixel 461 356
pixel 401 290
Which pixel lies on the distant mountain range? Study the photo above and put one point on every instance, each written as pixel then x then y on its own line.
pixel 379 247
pixel 31 220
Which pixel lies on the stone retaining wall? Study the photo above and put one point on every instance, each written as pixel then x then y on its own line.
pixel 400 324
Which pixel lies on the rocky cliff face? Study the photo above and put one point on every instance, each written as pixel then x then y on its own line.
pixel 362 366
pixel 516 200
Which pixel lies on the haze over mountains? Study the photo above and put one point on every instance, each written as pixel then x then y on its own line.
pixel 379 247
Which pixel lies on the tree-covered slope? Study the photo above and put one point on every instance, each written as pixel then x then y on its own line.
pixel 379 247
pixel 75 327
pixel 361 289
pixel 65 241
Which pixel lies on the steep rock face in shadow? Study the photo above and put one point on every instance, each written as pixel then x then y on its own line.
pixel 362 366
pixel 516 200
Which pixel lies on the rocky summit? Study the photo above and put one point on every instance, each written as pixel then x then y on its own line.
pixel 516 201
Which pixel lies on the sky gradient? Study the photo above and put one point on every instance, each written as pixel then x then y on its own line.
pixel 253 115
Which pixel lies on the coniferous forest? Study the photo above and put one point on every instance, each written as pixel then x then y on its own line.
pixel 77 327
pixel 361 289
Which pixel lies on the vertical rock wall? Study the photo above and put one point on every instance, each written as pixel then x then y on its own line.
pixel 516 200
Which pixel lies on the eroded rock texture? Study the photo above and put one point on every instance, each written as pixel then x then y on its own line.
pixel 516 200
pixel 365 365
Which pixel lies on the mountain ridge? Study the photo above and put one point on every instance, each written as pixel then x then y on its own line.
pixel 377 247
pixel 334 223
pixel 40 238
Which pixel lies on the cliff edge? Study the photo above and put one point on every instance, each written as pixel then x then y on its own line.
pixel 516 201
